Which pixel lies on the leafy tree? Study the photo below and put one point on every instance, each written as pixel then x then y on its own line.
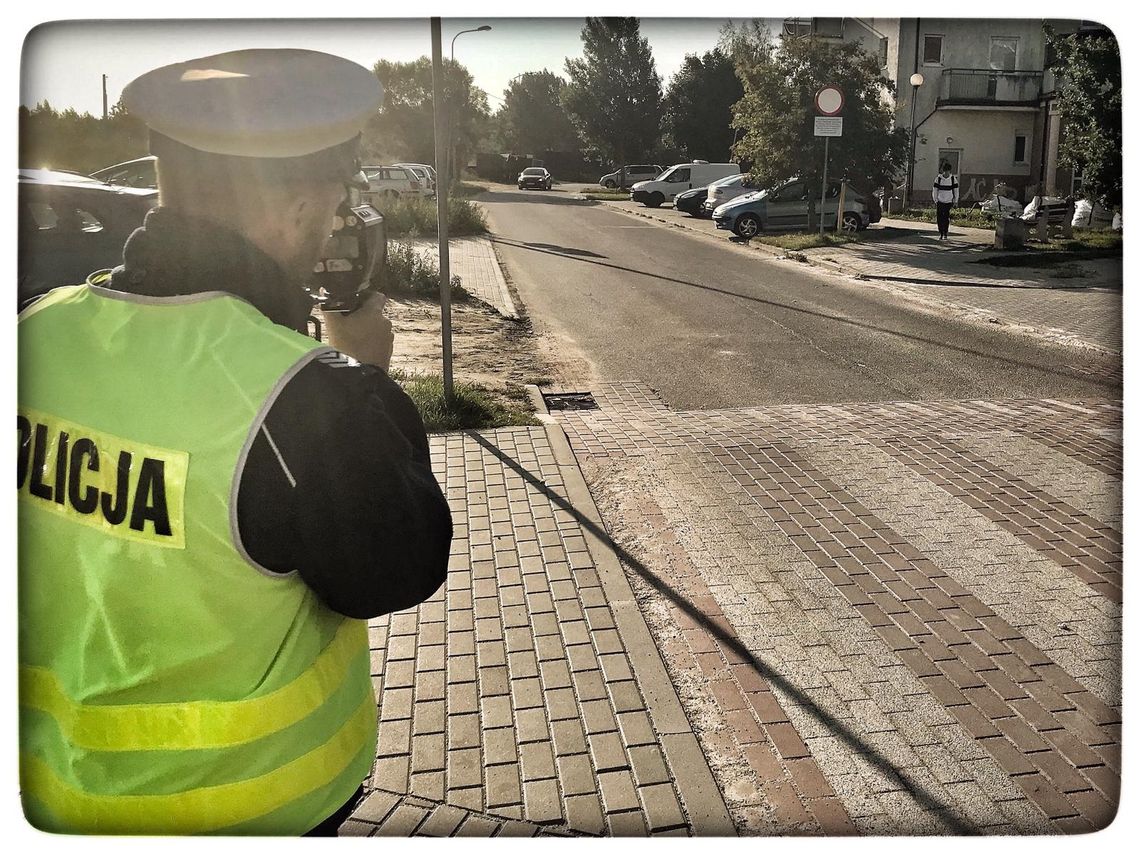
pixel 1087 70
pixel 405 127
pixel 698 106
pixel 79 142
pixel 532 115
pixel 614 93
pixel 777 113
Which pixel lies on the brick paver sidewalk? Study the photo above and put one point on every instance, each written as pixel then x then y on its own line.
pixel 527 697
pixel 902 616
pixel 473 260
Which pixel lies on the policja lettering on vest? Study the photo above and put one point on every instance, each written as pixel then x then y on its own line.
pixel 101 480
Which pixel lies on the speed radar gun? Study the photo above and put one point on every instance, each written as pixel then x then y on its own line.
pixel 352 262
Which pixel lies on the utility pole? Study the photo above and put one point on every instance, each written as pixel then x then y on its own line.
pixel 441 163
pixel 104 96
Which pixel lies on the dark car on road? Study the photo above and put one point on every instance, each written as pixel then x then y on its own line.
pixel 690 201
pixel 69 226
pixel 535 176
pixel 786 208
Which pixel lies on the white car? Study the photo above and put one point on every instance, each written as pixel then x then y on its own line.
pixel 425 173
pixel 679 178
pixel 388 183
pixel 724 190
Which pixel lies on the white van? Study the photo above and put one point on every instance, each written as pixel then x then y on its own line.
pixel 677 179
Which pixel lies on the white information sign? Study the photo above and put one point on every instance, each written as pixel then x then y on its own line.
pixel 829 126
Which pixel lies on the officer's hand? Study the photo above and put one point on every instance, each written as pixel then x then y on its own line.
pixel 365 334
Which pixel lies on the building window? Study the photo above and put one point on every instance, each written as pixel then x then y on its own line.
pixel 1003 54
pixel 932 50
pixel 1020 147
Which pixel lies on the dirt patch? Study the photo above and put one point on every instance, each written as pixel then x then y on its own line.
pixel 486 347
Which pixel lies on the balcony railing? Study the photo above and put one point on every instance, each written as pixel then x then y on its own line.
pixel 981 86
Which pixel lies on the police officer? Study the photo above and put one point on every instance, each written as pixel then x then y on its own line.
pixel 211 503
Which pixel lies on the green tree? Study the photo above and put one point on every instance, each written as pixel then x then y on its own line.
pixel 78 141
pixel 405 127
pixel 1087 70
pixel 532 115
pixel 777 113
pixel 698 106
pixel 614 93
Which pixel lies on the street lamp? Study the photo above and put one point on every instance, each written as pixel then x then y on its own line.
pixel 482 29
pixel 916 80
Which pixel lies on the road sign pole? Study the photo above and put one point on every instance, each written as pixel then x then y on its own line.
pixel 823 189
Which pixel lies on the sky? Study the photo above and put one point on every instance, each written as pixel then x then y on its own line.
pixel 63 62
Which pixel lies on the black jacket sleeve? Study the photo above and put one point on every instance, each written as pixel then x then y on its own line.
pixel 338 486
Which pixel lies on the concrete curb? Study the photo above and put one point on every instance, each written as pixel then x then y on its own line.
pixel 512 311
pixel 699 792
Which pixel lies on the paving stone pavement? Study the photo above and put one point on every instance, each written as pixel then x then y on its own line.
pixel 882 618
pixel 526 697
pixel 473 260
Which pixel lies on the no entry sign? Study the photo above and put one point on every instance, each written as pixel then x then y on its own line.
pixel 829 101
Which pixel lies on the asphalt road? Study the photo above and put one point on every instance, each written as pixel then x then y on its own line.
pixel 711 325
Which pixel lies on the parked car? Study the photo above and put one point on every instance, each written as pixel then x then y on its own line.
pixel 70 226
pixel 425 173
pixel 535 176
pixel 141 172
pixel 786 209
pixel 690 201
pixel 633 174
pixel 388 183
pixel 676 179
pixel 724 190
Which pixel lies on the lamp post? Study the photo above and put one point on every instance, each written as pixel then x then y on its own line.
pixel 916 81
pixel 450 153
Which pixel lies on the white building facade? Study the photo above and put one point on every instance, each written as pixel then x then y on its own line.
pixel 985 104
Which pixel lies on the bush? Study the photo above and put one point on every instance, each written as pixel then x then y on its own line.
pixel 416 274
pixel 473 407
pixel 406 215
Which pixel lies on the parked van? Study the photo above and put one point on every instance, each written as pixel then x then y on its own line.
pixel 678 179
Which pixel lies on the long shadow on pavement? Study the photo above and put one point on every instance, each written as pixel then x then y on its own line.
pixel 573 256
pixel 852 739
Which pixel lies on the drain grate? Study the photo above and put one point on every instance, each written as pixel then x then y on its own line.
pixel 570 400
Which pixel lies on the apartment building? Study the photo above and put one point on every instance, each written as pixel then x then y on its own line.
pixel 985 104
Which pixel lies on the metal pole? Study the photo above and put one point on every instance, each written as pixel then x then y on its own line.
pixel 823 189
pixel 437 83
pixel 910 151
pixel 104 96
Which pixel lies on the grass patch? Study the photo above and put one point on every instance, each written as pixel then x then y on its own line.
pixel 964 217
pixel 605 196
pixel 796 241
pixel 411 273
pixel 473 406
pixel 408 215
pixel 1086 244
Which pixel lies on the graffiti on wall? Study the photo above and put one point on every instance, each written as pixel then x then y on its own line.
pixel 977 188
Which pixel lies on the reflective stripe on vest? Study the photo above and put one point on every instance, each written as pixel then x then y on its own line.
pixel 166 684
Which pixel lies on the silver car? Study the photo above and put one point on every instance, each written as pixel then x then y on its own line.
pixel 725 190
pixel 786 209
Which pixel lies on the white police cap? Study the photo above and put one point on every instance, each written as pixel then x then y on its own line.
pixel 257 103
